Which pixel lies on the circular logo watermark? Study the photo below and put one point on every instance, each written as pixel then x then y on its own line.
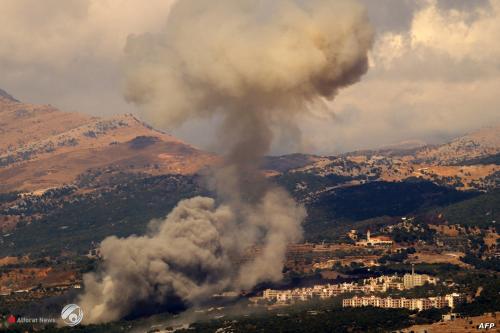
pixel 72 315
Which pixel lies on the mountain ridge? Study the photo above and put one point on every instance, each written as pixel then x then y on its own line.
pixel 43 147
pixel 73 179
pixel 466 162
pixel 5 95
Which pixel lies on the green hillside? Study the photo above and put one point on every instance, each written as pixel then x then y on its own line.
pixel 482 211
pixel 384 198
pixel 76 224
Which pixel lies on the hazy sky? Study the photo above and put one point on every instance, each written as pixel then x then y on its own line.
pixel 434 70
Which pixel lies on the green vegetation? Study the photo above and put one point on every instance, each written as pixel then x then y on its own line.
pixel 384 198
pixel 366 319
pixel 487 301
pixel 376 201
pixel 490 159
pixel 405 236
pixel 286 162
pixel 8 197
pixel 430 316
pixel 78 224
pixel 443 271
pixel 303 184
pixel 63 220
pixel 399 256
pixel 479 211
pixel 490 263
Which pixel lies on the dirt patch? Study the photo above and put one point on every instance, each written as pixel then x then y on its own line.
pixel 448 230
pixel 27 278
pixel 438 258
pixel 8 261
pixel 490 238
pixel 460 325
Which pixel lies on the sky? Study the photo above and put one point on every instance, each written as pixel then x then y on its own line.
pixel 434 69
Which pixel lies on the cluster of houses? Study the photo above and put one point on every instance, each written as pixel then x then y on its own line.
pixel 370 285
pixel 449 300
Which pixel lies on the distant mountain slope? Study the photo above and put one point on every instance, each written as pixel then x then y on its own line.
pixel 482 211
pixel 42 147
pixel 287 162
pixel 23 124
pixel 467 162
pixel 481 143
pixel 65 220
pixel 383 199
pixel 5 95
pixel 121 173
pixel 404 145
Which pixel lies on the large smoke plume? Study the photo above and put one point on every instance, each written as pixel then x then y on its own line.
pixel 258 65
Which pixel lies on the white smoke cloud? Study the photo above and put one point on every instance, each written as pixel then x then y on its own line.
pixel 257 65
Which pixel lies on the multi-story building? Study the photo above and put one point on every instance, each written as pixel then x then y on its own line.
pixel 384 283
pixel 415 280
pixel 374 241
pixel 270 294
pixel 366 286
pixel 450 300
pixel 454 299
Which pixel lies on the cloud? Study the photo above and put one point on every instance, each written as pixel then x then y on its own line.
pixel 434 61
pixel 433 81
pixel 68 52
pixel 57 33
pixel 391 15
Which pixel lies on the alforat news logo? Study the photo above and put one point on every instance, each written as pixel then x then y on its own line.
pixel 72 315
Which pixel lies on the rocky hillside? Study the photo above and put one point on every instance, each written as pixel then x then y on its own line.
pixel 84 178
pixel 468 162
pixel 473 146
pixel 42 147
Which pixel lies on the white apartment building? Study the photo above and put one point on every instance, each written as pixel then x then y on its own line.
pixel 370 285
pixel 419 304
pixel 270 294
pixel 384 283
pixel 454 299
pixel 415 280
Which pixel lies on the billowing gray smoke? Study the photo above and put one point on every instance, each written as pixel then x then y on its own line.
pixel 257 64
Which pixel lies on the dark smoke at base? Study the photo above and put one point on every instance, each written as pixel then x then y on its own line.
pixel 259 65
pixel 147 308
